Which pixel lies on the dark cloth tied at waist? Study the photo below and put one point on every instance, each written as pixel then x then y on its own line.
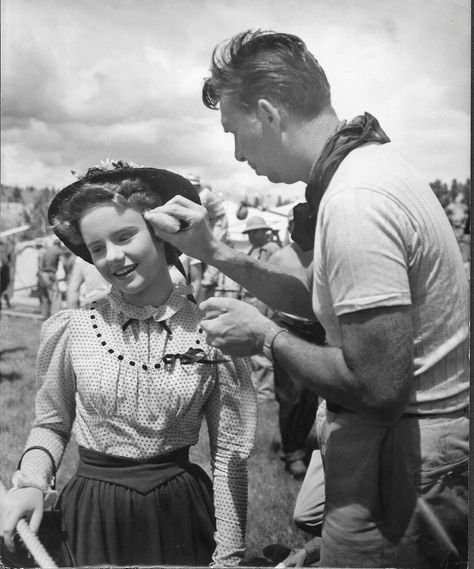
pixel 141 476
pixel 309 330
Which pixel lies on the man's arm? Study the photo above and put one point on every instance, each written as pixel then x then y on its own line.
pixel 373 371
pixel 371 374
pixel 278 287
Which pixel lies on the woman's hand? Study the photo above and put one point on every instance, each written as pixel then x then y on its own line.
pixel 21 503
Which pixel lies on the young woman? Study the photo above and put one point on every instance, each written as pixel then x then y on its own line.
pixel 133 376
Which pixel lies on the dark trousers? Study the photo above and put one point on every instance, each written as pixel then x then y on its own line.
pixel 296 415
pixel 297 404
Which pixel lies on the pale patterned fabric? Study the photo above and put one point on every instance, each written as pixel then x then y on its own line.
pixel 382 239
pixel 92 372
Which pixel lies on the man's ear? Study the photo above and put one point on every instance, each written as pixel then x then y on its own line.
pixel 269 114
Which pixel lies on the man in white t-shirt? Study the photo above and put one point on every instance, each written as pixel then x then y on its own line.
pixel 389 287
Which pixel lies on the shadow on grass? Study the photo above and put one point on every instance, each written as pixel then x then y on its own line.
pixel 10 376
pixel 13 350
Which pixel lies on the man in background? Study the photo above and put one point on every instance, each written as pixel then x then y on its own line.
pixel 262 248
pixel 47 283
pixel 220 228
pixel 297 404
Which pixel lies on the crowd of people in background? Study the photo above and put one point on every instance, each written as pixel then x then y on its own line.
pixel 80 283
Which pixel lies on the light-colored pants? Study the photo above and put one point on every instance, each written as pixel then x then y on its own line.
pixel 262 377
pixel 309 507
pixel 395 496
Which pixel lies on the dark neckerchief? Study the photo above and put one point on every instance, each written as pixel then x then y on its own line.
pixel 364 128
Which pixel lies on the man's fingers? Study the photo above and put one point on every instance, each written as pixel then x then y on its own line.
pixel 181 200
pixel 214 306
pixel 163 221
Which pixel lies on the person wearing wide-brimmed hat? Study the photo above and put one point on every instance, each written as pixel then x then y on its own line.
pixel 261 248
pixel 135 375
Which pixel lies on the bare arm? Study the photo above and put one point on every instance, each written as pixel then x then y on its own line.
pixel 278 287
pixel 370 374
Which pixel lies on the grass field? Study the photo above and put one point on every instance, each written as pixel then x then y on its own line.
pixel 272 492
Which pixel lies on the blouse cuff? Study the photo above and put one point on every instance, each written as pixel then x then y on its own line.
pixel 21 480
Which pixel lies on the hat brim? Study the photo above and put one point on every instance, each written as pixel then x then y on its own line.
pixel 163 183
pixel 256 228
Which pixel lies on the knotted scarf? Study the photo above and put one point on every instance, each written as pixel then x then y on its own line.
pixel 364 128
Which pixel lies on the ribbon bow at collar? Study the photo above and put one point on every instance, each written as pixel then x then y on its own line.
pixel 192 356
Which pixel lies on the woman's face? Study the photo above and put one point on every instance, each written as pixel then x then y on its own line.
pixel 126 253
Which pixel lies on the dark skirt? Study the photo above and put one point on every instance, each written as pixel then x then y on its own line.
pixel 120 512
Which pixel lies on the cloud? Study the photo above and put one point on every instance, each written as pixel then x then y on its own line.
pixel 85 80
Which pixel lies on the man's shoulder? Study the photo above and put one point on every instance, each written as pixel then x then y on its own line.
pixel 291 255
pixel 271 247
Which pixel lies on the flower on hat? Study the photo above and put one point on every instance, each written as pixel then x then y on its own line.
pixel 107 165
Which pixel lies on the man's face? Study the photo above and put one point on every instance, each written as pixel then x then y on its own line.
pixel 258 237
pixel 255 143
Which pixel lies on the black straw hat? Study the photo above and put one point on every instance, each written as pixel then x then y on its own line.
pixel 162 183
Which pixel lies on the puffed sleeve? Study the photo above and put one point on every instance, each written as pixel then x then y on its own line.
pixel 231 415
pixel 55 404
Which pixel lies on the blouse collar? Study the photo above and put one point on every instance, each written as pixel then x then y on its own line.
pixel 175 302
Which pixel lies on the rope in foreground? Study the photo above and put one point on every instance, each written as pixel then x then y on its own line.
pixel 31 541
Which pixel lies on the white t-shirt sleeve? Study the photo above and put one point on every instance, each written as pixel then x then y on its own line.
pixel 367 239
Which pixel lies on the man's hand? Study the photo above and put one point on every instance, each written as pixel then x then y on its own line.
pixel 185 225
pixel 233 326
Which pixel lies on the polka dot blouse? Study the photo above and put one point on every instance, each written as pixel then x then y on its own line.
pixel 126 380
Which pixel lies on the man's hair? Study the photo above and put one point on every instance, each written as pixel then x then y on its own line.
pixel 264 64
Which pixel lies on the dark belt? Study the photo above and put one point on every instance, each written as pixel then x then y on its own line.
pixel 142 476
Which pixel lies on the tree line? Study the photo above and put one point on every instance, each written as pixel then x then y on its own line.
pixel 35 202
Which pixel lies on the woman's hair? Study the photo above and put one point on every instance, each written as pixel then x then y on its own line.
pixel 128 193
pixel 263 64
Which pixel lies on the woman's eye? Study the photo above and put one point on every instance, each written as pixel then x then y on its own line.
pixel 125 237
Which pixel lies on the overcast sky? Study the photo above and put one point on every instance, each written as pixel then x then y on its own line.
pixel 84 80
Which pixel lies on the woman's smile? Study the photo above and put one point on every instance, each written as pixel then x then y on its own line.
pixel 125 271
